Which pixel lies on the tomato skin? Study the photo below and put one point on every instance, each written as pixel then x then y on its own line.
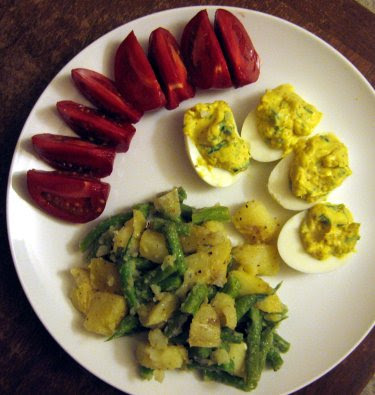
pixel 102 92
pixel 73 154
pixel 242 58
pixel 91 124
pixel 135 78
pixel 202 54
pixel 70 197
pixel 164 54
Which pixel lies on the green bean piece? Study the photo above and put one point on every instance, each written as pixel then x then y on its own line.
pixel 175 324
pixel 174 246
pixel 103 226
pixel 199 353
pixel 171 283
pixel 212 291
pixel 230 336
pixel 146 373
pixel 127 272
pixel 142 291
pixel 253 354
pixel 244 304
pixel 159 274
pixel 224 378
pixel 232 287
pixel 129 325
pixel 195 298
pixel 280 343
pixel 158 224
pixel 214 213
pixel 182 195
pixel 266 343
pixel 274 359
pixel 144 208
pixel 144 264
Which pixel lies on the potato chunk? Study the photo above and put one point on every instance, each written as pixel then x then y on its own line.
pixel 104 276
pixel 169 357
pixel 255 223
pixel 224 306
pixel 153 246
pixel 237 353
pixel 81 295
pixel 250 284
pixel 257 259
pixel 154 314
pixel 205 328
pixel 105 312
pixel 169 204
pixel 271 304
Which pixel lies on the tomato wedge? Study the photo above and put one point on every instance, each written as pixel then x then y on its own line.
pixel 73 154
pixel 70 197
pixel 202 54
pixel 102 92
pixel 135 78
pixel 93 125
pixel 242 58
pixel 164 54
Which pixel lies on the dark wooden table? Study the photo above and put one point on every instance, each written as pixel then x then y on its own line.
pixel 37 37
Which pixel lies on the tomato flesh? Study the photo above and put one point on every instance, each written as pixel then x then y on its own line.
pixel 93 125
pixel 202 54
pixel 135 78
pixel 73 154
pixel 242 58
pixel 70 197
pixel 102 92
pixel 164 54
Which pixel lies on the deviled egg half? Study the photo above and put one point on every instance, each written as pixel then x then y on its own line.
pixel 280 119
pixel 306 176
pixel 319 239
pixel 216 150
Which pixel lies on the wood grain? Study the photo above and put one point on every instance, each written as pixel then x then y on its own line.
pixel 37 38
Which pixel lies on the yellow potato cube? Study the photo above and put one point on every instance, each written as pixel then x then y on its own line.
pixel 153 246
pixel 105 312
pixel 237 353
pixel 251 284
pixel 224 306
pixel 81 295
pixel 205 328
pixel 104 276
pixel 154 314
pixel 271 304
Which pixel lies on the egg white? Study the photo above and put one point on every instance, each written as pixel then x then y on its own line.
pixel 294 255
pixel 214 176
pixel 259 149
pixel 279 187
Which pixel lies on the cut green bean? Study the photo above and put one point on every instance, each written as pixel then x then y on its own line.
pixel 232 287
pixel 103 226
pixel 128 326
pixel 199 353
pixel 171 283
pixel 230 336
pixel 194 299
pixel 127 271
pixel 214 213
pixel 158 224
pixel 144 264
pixel 274 359
pixel 182 195
pixel 175 325
pixel 252 361
pixel 280 343
pixel 146 373
pixel 266 343
pixel 174 246
pixel 244 304
pixel 224 378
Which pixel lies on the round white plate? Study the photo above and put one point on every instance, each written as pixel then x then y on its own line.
pixel 329 313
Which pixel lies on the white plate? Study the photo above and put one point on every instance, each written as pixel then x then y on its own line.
pixel 329 313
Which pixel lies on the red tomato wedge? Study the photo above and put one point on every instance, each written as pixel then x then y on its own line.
pixel 73 154
pixel 135 78
pixel 70 197
pixel 92 124
pixel 102 92
pixel 164 54
pixel 242 58
pixel 202 54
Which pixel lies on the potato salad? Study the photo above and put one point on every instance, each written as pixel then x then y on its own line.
pixel 169 272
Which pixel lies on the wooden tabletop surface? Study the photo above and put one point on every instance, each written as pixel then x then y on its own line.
pixel 37 38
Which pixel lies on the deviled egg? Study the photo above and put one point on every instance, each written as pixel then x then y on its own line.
pixel 320 239
pixel 216 150
pixel 280 119
pixel 316 166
